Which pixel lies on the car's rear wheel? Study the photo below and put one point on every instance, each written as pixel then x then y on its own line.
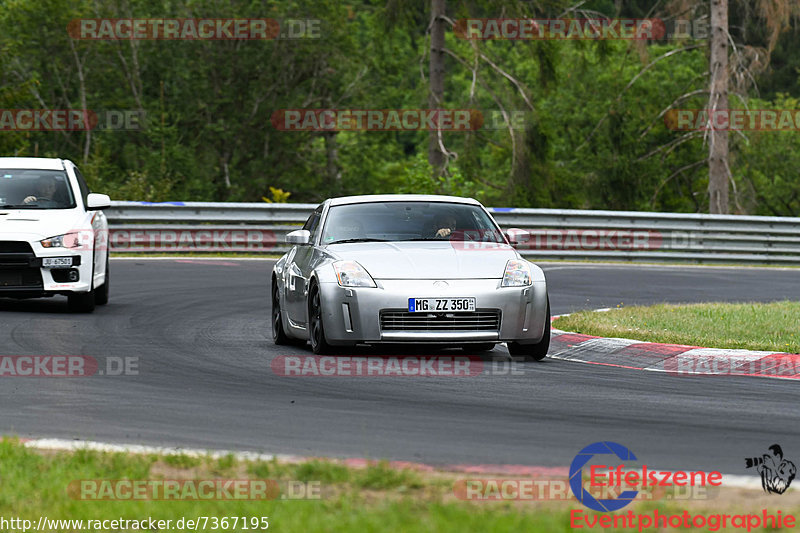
pixel 319 345
pixel 534 352
pixel 101 293
pixel 279 336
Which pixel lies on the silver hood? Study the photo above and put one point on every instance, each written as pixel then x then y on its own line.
pixel 427 259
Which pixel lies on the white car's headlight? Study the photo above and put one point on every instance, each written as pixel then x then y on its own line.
pixel 351 274
pixel 517 274
pixel 68 240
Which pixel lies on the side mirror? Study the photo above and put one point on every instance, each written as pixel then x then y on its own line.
pixel 96 202
pixel 300 236
pixel 516 236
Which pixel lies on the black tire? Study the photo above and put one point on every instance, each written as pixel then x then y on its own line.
pixel 316 329
pixel 101 293
pixel 534 352
pixel 476 348
pixel 279 336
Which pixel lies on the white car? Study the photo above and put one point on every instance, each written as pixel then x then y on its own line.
pixel 53 233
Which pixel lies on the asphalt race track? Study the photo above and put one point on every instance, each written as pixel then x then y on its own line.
pixel 200 331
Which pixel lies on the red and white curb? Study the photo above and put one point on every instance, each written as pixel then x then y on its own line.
pixel 728 480
pixel 673 359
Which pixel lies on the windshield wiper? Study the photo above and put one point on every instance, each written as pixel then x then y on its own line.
pixel 21 206
pixel 343 241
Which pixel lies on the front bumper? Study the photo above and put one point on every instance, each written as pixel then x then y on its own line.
pixel 353 315
pixel 23 275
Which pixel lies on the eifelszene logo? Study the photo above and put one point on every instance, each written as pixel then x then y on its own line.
pixel 622 476
pixel 776 472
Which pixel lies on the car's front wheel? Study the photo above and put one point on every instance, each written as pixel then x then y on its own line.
pixel 534 352
pixel 319 345
pixel 81 302
pixel 279 336
pixel 101 293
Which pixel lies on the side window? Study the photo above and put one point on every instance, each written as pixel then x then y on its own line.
pixel 312 224
pixel 82 184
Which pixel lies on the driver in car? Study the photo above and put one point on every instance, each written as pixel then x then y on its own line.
pixel 45 189
pixel 444 225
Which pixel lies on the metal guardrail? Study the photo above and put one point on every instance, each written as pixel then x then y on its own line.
pixel 546 233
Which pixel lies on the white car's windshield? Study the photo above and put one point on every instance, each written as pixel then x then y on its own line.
pixel 408 221
pixel 35 189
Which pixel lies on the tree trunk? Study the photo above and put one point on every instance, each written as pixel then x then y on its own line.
pixel 84 106
pixel 718 101
pixel 436 157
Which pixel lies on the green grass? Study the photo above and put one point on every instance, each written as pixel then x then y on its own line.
pixel 754 326
pixel 372 499
pixel 377 498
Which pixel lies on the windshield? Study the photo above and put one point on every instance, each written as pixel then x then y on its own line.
pixel 35 189
pixel 408 221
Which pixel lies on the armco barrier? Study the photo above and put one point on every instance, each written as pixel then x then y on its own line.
pixel 545 233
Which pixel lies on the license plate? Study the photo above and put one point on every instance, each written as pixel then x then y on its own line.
pixel 434 305
pixel 56 262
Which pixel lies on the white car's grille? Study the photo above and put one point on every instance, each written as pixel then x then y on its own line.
pixel 481 320
pixel 16 270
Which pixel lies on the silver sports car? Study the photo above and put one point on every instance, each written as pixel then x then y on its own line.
pixel 408 269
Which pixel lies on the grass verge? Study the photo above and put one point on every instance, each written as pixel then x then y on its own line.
pixel 38 483
pixel 754 326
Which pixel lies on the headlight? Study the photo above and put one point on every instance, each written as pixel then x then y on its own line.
pixel 518 273
pixel 351 274
pixel 68 240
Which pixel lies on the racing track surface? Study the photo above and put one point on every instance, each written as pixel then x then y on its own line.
pixel 200 331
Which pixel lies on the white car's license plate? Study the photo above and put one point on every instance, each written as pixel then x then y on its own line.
pixel 434 305
pixel 48 262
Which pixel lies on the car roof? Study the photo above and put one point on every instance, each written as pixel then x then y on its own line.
pixel 377 198
pixel 34 163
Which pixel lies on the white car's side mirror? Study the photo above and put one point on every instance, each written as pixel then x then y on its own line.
pixel 96 201
pixel 516 236
pixel 300 236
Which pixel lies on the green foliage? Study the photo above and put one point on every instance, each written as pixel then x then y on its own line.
pixel 766 166
pixel 582 135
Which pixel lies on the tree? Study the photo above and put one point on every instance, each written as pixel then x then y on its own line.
pixel 436 154
pixel 718 170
